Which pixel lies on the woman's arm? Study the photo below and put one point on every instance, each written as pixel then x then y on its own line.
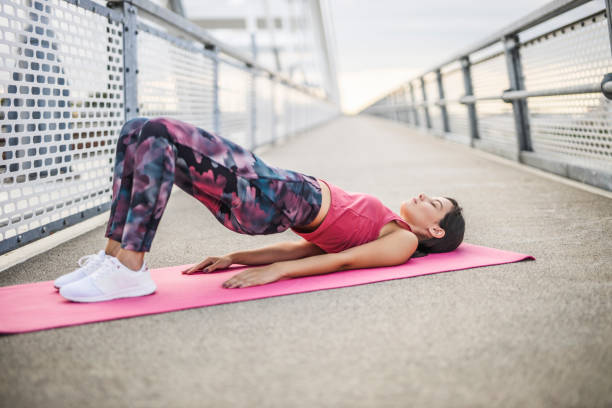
pixel 281 251
pixel 392 249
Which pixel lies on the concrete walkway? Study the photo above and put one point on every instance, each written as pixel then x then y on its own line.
pixel 536 333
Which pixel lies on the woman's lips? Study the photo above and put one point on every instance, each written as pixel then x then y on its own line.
pixel 414 200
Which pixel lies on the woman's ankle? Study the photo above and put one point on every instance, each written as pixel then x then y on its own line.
pixel 112 252
pixel 112 248
pixel 131 259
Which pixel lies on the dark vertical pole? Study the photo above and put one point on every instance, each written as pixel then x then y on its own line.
pixel 425 107
pixel 519 106
pixel 469 91
pixel 130 61
pixel 252 96
pixel 215 108
pixel 606 83
pixel 415 113
pixel 443 110
pixel 609 18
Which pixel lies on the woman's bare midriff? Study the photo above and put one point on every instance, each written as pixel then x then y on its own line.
pixel 325 204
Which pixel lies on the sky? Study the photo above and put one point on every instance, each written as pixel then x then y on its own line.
pixel 383 43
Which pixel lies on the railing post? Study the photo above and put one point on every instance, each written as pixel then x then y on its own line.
pixel 609 18
pixel 443 110
pixel 130 61
pixel 425 107
pixel 607 79
pixel 216 110
pixel 519 106
pixel 469 91
pixel 253 96
pixel 415 113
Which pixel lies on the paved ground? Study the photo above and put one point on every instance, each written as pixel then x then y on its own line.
pixel 535 334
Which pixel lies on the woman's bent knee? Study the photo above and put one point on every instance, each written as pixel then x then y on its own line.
pixel 130 129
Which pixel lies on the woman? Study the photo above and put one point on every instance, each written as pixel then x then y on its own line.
pixel 341 230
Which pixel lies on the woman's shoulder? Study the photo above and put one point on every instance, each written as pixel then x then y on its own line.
pixel 392 226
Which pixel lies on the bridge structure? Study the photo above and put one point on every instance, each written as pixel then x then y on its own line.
pixel 532 333
pixel 537 91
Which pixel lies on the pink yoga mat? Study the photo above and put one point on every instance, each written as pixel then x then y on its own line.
pixel 39 306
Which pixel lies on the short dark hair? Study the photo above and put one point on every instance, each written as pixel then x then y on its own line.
pixel 454 227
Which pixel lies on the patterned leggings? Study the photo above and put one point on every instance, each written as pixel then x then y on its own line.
pixel 244 193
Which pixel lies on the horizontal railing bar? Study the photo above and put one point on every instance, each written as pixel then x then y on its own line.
pixel 113 15
pixel 180 42
pixel 510 96
pixel 571 90
pixel 471 99
pixel 564 27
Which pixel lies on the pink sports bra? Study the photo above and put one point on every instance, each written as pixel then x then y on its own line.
pixel 353 219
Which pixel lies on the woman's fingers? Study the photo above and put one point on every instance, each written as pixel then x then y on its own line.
pixel 210 264
pixel 212 267
pixel 199 266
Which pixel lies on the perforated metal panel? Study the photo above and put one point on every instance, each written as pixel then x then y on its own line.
pixel 454 88
pixel 291 114
pixel 235 103
pixel 296 111
pixel 264 131
pixel 280 106
pixel 433 95
pixel 175 80
pixel 62 103
pixel 61 91
pixel 321 111
pixel 578 127
pixel 418 99
pixel 495 118
pixel 403 99
pixel 399 102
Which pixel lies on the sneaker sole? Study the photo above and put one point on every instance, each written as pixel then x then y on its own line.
pixel 131 292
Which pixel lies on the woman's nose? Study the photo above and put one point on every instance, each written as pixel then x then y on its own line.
pixel 422 196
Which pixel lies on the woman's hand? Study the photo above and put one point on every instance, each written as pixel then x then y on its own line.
pixel 255 276
pixel 210 264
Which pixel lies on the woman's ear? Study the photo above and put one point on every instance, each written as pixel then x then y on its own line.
pixel 436 231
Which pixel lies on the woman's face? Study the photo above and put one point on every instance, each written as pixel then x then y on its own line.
pixel 424 213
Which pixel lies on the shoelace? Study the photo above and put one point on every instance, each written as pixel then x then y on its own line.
pixel 88 261
pixel 105 267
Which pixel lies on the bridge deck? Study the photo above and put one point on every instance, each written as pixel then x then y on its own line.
pixel 526 334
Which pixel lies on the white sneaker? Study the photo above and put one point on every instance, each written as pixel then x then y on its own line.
pixel 87 265
pixel 112 280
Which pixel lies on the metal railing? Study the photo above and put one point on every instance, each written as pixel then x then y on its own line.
pixel 543 101
pixel 73 71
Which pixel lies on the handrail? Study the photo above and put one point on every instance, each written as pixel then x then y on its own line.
pixel 508 96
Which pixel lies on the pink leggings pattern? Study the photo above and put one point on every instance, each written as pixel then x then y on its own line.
pixel 243 193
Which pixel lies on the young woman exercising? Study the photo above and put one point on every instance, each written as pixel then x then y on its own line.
pixel 341 230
